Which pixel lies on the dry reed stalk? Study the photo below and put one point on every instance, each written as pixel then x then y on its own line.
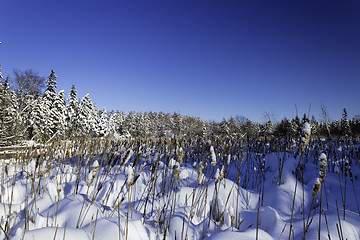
pixel 337 210
pixel 346 174
pixel 304 141
pixel 327 226
pixel 352 181
pixel 320 210
pixel 64 231
pixel 57 226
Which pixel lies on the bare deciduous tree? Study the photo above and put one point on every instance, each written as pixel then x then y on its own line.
pixel 26 83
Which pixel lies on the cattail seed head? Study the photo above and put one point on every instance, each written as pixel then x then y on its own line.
pixel 213 156
pixel 129 171
pixel 305 136
pixel 322 173
pixel 200 168
pixel 347 164
pixel 181 154
pixel 317 186
pixel 351 175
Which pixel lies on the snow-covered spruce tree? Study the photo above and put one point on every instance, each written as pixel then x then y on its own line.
pixel 304 119
pixel 153 117
pixel 87 117
pixel 116 121
pixel 224 126
pixel 59 115
pixel 9 119
pixel 38 121
pixel 73 124
pixel 103 124
pixel 51 86
pixel 48 109
pixel 314 126
pixel 130 124
pixel 268 129
pixel 26 116
pixel 295 126
pixel 143 125
pixel 177 124
pixel 345 126
pixel 335 128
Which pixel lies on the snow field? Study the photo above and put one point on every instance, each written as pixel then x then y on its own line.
pixel 132 189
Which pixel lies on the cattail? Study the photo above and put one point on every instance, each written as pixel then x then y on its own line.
pixel 322 172
pixel 351 175
pixel 94 170
pixel 346 168
pixel 59 191
pixel 175 166
pixel 129 171
pixel 305 136
pixel 228 159
pixel 323 165
pixel 128 155
pixel 222 173
pixel 217 176
pixel 181 154
pixel 200 168
pixel 317 186
pixel 213 156
pixel 263 165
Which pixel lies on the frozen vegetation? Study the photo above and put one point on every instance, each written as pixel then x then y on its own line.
pixel 180 188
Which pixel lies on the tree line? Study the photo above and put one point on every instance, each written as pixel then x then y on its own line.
pixel 28 113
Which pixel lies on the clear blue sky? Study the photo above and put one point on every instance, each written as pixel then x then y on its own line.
pixel 210 59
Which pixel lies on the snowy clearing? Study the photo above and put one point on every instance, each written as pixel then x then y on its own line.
pixel 182 189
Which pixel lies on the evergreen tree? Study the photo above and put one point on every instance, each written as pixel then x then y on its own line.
pixel 9 118
pixel 176 124
pixel 224 126
pixel 345 126
pixel 250 129
pixel 51 86
pixel 103 124
pixel 304 119
pixel 73 123
pixel 59 115
pixel 130 124
pixel 295 127
pixel 314 125
pixel 38 121
pixel 27 113
pixel 116 123
pixel 336 128
pixel 283 129
pixel 268 128
pixel 49 113
pixel 87 117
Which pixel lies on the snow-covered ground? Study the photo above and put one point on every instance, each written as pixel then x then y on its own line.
pixel 181 189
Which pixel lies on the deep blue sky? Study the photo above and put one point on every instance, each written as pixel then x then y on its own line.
pixel 210 59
